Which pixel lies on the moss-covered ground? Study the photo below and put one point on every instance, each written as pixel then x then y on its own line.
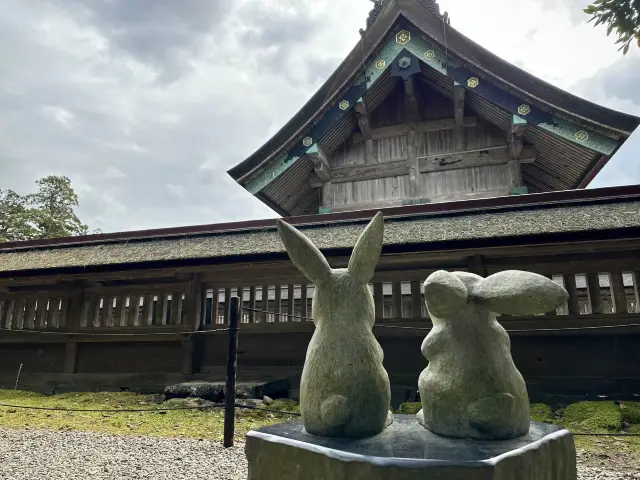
pixel 585 417
pixel 196 423
pixel 582 417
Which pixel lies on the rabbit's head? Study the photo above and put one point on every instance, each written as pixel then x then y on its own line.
pixel 511 292
pixel 342 290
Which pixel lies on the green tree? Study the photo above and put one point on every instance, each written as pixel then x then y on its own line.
pixel 15 218
pixel 48 213
pixel 621 16
pixel 52 213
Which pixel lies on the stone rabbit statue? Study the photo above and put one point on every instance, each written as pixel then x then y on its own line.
pixel 471 387
pixel 344 389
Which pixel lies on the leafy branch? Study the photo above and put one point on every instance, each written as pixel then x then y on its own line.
pixel 621 16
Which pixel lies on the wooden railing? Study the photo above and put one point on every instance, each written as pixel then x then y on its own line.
pixel 189 306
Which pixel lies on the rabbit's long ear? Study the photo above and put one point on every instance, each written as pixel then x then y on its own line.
pixel 304 254
pixel 514 292
pixel 366 253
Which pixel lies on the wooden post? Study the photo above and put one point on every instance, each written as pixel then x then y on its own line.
pixel 194 299
pixel 570 286
pixel 187 347
pixel 378 299
pixel 477 265
pixel 72 324
pixel 416 299
pixel 232 364
pixel 396 297
pixel 303 302
pixel 593 287
pixel 618 293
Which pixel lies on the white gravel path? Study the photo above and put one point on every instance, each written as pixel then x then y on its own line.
pixel 39 454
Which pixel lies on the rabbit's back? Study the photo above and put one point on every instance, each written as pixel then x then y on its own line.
pixel 346 364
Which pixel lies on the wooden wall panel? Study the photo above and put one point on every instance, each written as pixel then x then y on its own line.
pixel 129 357
pixel 35 358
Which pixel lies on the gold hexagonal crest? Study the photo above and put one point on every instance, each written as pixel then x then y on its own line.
pixel 524 109
pixel 344 104
pixel 581 135
pixel 429 54
pixel 403 37
pixel 380 64
pixel 307 142
pixel 473 82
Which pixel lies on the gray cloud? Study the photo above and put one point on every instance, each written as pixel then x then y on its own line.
pixel 146 108
pixel 616 87
pixel 166 34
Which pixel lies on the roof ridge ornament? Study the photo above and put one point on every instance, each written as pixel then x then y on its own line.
pixel 431 5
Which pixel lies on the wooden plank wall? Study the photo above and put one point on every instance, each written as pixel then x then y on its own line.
pixel 84 343
pixel 390 155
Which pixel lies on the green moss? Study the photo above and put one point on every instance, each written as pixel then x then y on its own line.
pixel 592 417
pixel 179 423
pixel 409 408
pixel 542 413
pixel 631 413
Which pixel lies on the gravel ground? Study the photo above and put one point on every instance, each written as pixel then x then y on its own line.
pixel 38 454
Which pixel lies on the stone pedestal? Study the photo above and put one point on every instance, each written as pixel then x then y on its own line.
pixel 405 450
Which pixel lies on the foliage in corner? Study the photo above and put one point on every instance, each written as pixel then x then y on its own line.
pixel 47 213
pixel 621 16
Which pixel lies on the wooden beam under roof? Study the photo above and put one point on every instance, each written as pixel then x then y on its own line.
pixel 420 127
pixel 458 104
pixel 411 106
pixel 431 163
pixel 362 115
pixel 515 136
pixel 321 164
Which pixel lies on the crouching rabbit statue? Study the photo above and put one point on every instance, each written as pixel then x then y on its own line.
pixel 471 387
pixel 344 389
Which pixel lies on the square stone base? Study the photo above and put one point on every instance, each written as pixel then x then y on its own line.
pixel 406 450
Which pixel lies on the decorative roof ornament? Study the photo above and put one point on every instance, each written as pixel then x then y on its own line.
pixel 373 14
pixel 431 5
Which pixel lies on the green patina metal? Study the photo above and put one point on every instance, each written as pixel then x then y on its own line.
pixel 436 59
pixel 323 210
pixel 519 191
pixel 270 173
pixel 519 120
pixel 584 138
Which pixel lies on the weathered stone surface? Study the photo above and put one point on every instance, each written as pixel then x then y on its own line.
pixel 214 391
pixel 406 451
pixel 344 389
pixel 211 391
pixel 471 387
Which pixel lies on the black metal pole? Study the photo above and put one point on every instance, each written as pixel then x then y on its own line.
pixel 232 363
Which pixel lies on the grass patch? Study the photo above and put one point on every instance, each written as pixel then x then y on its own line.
pixel 180 423
pixel 593 417
pixel 542 413
pixel 631 413
pixel 409 408
pixel 583 417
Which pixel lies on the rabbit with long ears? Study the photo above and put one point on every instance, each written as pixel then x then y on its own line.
pixel 344 389
pixel 471 387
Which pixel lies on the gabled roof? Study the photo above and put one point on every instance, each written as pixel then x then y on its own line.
pixel 575 215
pixel 575 137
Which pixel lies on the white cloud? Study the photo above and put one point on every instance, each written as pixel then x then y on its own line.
pixel 145 109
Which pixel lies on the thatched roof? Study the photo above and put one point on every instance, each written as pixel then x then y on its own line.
pixel 398 231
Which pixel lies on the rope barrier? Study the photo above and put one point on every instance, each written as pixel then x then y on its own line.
pixel 144 410
pixel 300 317
pixel 116 334
pixel 246 407
pixel 405 327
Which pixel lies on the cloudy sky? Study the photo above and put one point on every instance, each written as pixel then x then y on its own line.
pixel 145 104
